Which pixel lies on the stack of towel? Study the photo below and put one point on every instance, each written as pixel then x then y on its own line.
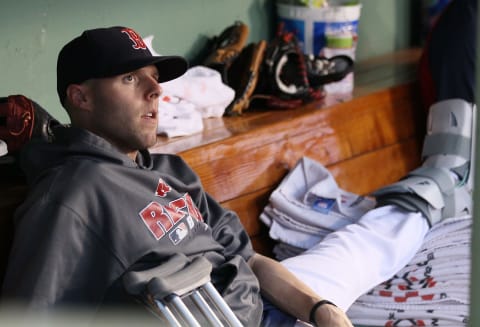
pixel 308 205
pixel 198 94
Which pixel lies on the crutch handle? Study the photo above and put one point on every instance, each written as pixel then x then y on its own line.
pixel 178 277
pixel 193 275
pixel 135 282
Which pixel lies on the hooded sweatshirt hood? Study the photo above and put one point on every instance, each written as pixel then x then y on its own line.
pixel 71 142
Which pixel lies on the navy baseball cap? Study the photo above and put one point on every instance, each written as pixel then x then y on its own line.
pixel 106 52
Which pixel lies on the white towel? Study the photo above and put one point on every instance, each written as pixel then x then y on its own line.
pixel 177 117
pixel 3 148
pixel 310 194
pixel 203 87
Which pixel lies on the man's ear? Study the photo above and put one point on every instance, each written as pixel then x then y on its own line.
pixel 77 95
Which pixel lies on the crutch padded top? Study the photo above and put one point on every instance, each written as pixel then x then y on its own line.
pixel 136 282
pixel 193 275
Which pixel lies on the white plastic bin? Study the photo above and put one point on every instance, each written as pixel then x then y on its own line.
pixel 310 24
pixel 326 31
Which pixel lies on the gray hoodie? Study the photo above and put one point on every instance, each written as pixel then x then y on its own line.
pixel 92 214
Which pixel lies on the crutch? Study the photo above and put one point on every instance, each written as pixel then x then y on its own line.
pixel 176 279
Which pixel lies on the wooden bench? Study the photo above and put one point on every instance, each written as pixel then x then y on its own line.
pixel 367 139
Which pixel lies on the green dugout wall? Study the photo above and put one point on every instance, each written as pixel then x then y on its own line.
pixel 33 32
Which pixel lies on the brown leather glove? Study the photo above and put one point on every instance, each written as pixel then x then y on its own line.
pixel 238 65
pixel 226 47
pixel 243 76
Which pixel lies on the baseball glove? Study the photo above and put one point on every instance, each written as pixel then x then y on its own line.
pixel 284 79
pixel 322 70
pixel 22 119
pixel 242 76
pixel 226 47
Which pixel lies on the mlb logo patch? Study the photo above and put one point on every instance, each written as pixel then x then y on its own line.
pixel 178 233
pixel 323 205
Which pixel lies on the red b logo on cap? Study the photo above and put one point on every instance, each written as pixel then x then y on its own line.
pixel 136 39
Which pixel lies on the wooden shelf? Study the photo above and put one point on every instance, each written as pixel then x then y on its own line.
pixel 371 76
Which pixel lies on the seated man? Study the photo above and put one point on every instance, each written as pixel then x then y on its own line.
pixel 100 204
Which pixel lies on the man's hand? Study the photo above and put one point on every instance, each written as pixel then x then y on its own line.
pixel 328 315
pixel 291 295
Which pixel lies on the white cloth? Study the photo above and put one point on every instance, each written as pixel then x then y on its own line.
pixel 203 87
pixel 177 117
pixel 199 93
pixel 288 230
pixel 3 148
pixel 310 195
